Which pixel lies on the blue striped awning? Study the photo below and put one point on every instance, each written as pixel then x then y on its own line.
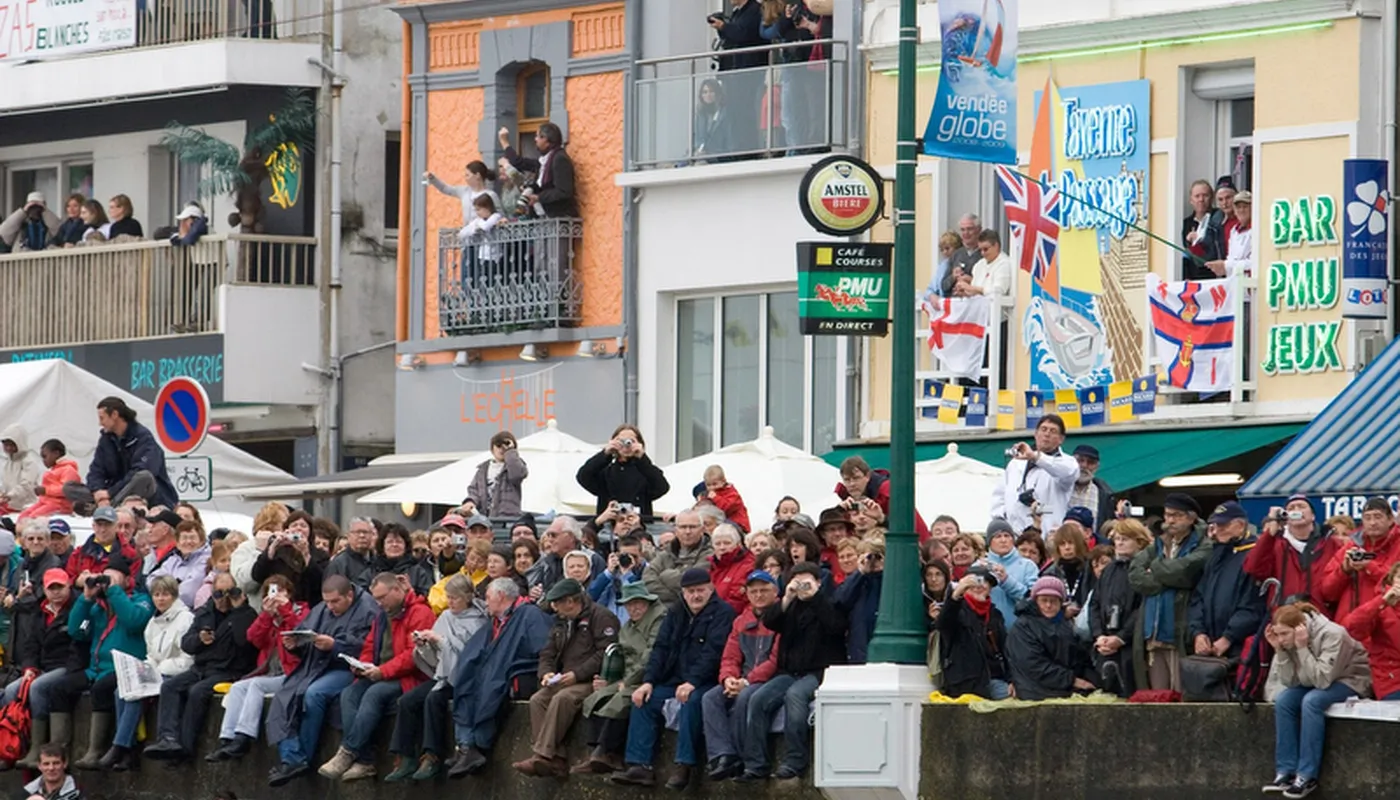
pixel 1350 448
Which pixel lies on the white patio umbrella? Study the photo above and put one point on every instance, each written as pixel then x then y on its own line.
pixel 764 471
pixel 552 456
pixel 958 486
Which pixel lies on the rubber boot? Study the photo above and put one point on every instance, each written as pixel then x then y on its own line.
pixel 38 737
pixel 99 734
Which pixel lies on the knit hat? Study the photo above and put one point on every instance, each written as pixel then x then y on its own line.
pixel 1048 586
pixel 999 526
pixel 694 576
pixel 526 520
pixel 1179 501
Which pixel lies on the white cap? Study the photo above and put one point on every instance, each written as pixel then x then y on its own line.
pixel 190 211
pixel 34 197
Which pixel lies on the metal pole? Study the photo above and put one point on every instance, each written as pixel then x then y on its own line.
pixel 901 635
pixel 324 239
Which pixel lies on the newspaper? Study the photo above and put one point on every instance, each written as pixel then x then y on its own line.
pixel 356 665
pixel 299 638
pixel 137 678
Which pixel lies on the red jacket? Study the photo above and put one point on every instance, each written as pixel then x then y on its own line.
pixel 1273 557
pixel 1377 626
pixel 415 616
pixel 749 640
pixel 1348 590
pixel 878 489
pixel 730 575
pixel 266 633
pixel 92 557
pixel 52 501
pixel 727 499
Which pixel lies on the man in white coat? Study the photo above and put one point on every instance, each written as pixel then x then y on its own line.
pixel 1034 490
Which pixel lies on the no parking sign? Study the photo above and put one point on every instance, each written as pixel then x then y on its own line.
pixel 182 416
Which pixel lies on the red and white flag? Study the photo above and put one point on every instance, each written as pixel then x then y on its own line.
pixel 958 333
pixel 1193 325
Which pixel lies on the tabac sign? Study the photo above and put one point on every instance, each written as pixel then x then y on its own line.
pixel 844 289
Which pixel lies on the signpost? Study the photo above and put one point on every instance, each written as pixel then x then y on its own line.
pixel 181 416
pixel 192 477
pixel 843 289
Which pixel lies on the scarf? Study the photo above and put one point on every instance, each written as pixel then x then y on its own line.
pixel 980 607
pixel 959 572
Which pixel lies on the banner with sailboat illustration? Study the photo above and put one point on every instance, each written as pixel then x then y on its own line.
pixel 974 114
pixel 1076 213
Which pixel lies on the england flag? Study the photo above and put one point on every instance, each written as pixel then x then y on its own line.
pixel 1193 325
pixel 958 333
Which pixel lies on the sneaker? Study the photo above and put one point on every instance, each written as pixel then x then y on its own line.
pixel 283 774
pixel 342 761
pixel 634 775
pixel 1280 784
pixel 1301 787
pixel 358 772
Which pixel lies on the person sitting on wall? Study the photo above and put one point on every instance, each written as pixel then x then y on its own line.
pixel 128 462
pixel 553 192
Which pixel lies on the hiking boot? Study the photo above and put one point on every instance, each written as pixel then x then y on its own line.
pixel 358 772
pixel 1280 784
pixel 338 765
pixel 680 777
pixel 402 771
pixel 469 761
pixel 429 766
pixel 635 775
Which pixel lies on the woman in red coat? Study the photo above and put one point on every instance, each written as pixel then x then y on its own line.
pixel 730 566
pixel 1376 624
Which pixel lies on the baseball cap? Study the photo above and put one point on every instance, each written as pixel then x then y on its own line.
pixel 760 575
pixel 166 516
pixel 1244 197
pixel 56 576
pixel 1082 515
pixel 478 519
pixel 34 197
pixel 1227 512
pixel 104 514
pixel 1087 450
pixel 455 520
pixel 59 527
pixel 190 211
pixel 694 577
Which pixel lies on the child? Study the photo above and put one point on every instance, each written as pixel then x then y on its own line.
pixel 220 555
pixel 719 491
pixel 60 469
pixel 487 218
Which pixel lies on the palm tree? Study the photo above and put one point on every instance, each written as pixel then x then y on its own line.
pixel 270 151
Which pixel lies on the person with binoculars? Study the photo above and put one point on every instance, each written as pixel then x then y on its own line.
pixel 1035 488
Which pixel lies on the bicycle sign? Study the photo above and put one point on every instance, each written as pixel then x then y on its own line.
pixel 192 476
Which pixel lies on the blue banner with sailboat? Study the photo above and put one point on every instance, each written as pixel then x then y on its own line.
pixel 974 114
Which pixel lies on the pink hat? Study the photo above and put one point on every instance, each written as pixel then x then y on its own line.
pixel 453 520
pixel 1048 586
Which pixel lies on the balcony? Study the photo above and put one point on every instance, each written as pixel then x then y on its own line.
pixel 519 276
pixel 764 112
pixel 141 290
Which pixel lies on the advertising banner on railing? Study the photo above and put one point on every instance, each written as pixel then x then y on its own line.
pixel 1366 238
pixel 39 30
pixel 974 113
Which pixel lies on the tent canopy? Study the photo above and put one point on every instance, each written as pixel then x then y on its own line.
pixel 55 400
pixel 764 471
pixel 958 486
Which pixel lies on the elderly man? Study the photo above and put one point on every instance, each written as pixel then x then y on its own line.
pixel 356 561
pixel 1165 575
pixel 965 257
pixel 1034 490
pixel 341 623
pixel 750 658
pixel 570 660
pixel 684 665
pixel 26 583
pixel 560 539
pixel 1226 607
pixel 218 640
pixel 1091 491
pixel 96 553
pixel 160 535
pixel 1354 575
pixel 1295 550
pixel 490 670
pixel 690 548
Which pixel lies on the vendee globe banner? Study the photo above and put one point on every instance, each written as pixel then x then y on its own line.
pixel 38 29
pixel 974 114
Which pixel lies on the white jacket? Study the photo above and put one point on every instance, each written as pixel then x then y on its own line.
pixel 163 635
pixel 240 565
pixel 21 472
pixel 1052 478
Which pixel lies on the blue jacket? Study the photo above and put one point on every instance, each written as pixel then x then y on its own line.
pixel 1226 602
pixel 858 597
pixel 117 457
pixel 114 622
pixel 689 646
pixel 1021 573
pixel 491 660
pixel 606 588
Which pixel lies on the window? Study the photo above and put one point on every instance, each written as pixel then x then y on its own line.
pixel 56 180
pixel 393 149
pixel 532 106
pixel 1237 140
pixel 763 372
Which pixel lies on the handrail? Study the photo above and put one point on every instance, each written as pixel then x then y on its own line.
pixel 647 62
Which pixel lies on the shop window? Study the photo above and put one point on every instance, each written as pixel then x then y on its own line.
pixel 393 145
pixel 742 363
pixel 532 105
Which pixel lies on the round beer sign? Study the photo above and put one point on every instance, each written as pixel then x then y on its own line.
pixel 841 196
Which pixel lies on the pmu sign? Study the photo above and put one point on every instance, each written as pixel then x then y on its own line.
pixel 844 289
pixel 182 416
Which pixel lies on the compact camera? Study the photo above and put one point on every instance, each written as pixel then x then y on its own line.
pixel 1357 554
pixel 627 442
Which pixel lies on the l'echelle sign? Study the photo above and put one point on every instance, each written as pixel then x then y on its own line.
pixel 36 29
pixel 844 289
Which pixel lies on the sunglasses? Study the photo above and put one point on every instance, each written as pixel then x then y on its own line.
pixel 220 594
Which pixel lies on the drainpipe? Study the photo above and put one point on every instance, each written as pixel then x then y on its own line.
pixel 1388 102
pixel 405 191
pixel 630 198
pixel 325 247
pixel 337 88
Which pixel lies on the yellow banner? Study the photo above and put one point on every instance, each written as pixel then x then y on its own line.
pixel 1006 410
pixel 1067 406
pixel 1120 402
pixel 949 404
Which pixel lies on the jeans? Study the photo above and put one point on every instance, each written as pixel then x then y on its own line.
pixel 725 720
pixel 1299 726
pixel 1001 689
pixel 794 695
pixel 243 705
pixel 184 702
pixel 298 749
pixel 1395 695
pixel 128 720
pixel 362 706
pixel 38 692
pixel 646 722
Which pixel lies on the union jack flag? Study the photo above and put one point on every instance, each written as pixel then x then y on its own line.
pixel 1034 214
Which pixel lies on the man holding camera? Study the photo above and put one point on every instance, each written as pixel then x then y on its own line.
pixel 1353 577
pixel 625 565
pixel 1034 490
pixel 1294 550
pixel 1226 607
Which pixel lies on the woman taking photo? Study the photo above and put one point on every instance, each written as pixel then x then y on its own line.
pixel 972 636
pixel 1316 664
pixel 496 488
pixel 623 473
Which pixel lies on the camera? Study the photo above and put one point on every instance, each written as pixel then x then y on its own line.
pixel 522 206
pixel 459 540
pixel 1357 554
pixel 717 16
pixel 1012 451
pixel 626 508
pixel 1115 619
pixel 99 581
pixel 1026 497
pixel 624 560
pixel 627 442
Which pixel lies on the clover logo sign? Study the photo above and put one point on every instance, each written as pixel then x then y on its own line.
pixel 1367 211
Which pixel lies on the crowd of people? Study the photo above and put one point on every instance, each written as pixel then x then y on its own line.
pixel 34 227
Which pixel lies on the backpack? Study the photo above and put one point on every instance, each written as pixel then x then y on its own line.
pixel 14 725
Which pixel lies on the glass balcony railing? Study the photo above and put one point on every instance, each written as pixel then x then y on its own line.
pixel 161 22
pixel 148 289
pixel 689 112
pixel 519 276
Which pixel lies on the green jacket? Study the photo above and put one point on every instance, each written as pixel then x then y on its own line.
pixel 1150 574
pixel 636 639
pixel 115 622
